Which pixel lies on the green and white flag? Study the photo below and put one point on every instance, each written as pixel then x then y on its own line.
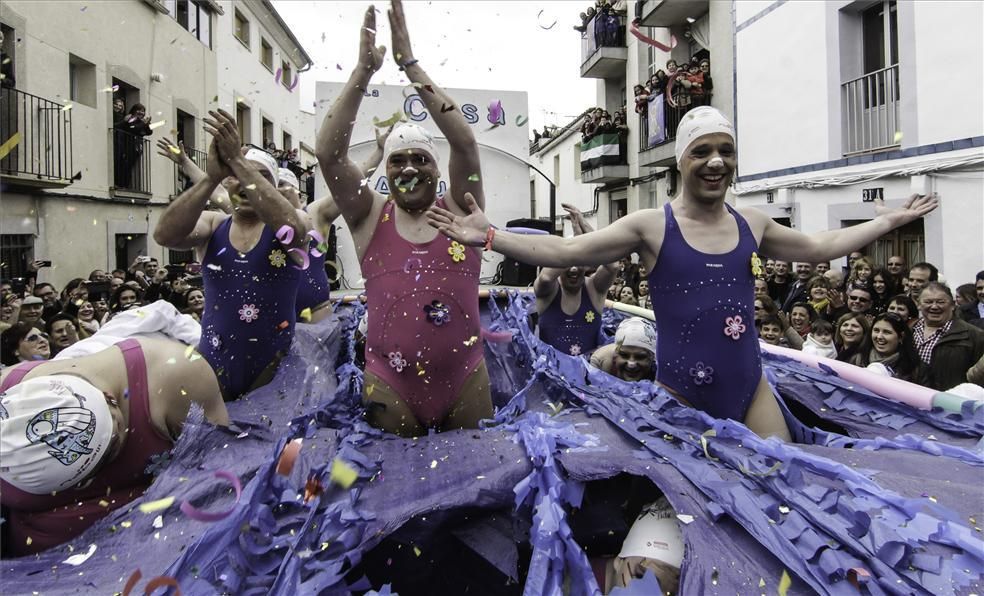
pixel 600 150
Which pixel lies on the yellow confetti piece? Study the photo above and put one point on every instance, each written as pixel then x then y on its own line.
pixel 433 463
pixel 29 540
pixel 159 504
pixel 470 341
pixel 416 551
pixel 192 354
pixel 126 524
pixel 370 389
pixel 175 150
pixel 95 222
pixel 250 187
pixel 748 472
pixel 324 545
pixel 396 117
pixel 103 503
pixel 9 144
pixel 305 314
pixel 784 583
pixel 473 178
pixel 342 473
pixel 157 124
pixel 703 443
pixel 761 582
pixel 66 107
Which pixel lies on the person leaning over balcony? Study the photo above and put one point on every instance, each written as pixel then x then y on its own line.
pixel 701 255
pixel 128 139
pixel 249 274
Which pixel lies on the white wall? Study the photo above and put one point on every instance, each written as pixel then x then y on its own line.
pixel 570 189
pixel 504 152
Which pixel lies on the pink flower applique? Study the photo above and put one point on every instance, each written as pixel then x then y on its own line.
pixel 397 361
pixel 734 327
pixel 249 313
pixel 702 374
pixel 575 349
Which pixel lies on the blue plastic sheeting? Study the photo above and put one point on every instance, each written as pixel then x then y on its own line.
pixel 894 496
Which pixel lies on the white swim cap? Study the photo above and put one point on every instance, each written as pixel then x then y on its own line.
pixel 636 332
pixel 700 121
pixel 266 160
pixel 410 136
pixel 54 430
pixel 288 177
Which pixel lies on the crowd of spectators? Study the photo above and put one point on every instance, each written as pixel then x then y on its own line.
pixel 38 320
pixel 683 86
pixel 900 322
pixel 605 21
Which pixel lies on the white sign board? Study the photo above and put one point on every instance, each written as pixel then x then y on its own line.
pixel 504 152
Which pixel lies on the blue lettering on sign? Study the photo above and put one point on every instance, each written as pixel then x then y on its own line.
pixel 375 93
pixel 470 113
pixel 382 187
pixel 408 107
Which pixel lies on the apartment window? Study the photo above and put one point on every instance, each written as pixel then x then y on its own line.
pixel 15 250
pixel 241 28
pixel 556 169
pixel 288 142
pixel 243 116
pixel 194 17
pixel 266 54
pixel 617 209
pixel 532 199
pixel 577 161
pixel 287 76
pixel 186 129
pixel 880 36
pixel 81 81
pixel 267 128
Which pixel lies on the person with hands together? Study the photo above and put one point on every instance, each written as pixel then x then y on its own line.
pixel 425 365
pixel 252 259
pixel 702 256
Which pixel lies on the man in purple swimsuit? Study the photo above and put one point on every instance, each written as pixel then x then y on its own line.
pixel 701 254
pixel 250 278
pixel 561 292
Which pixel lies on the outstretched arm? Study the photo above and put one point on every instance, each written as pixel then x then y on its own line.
pixel 343 176
pixel 597 248
pixel 788 244
pixel 463 164
pixel 185 224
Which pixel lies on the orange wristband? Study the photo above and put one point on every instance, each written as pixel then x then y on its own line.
pixel 489 235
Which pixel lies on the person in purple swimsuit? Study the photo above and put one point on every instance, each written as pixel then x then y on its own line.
pixel 251 259
pixel 425 363
pixel 702 256
pixel 560 291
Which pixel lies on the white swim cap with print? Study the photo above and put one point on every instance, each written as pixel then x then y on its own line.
pixel 288 177
pixel 266 160
pixel 636 332
pixel 700 121
pixel 410 136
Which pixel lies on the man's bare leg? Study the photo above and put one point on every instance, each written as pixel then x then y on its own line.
pixel 386 411
pixel 764 417
pixel 474 401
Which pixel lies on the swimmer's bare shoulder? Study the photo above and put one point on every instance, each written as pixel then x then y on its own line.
pixel 176 377
pixel 603 358
pixel 364 228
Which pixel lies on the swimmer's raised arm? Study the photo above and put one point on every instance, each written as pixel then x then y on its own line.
pixel 463 163
pixel 597 248
pixel 343 176
pixel 605 275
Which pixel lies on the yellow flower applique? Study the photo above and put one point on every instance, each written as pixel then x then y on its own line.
pixel 757 269
pixel 589 316
pixel 278 258
pixel 457 251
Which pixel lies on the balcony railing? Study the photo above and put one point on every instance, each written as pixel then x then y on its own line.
pixel 602 33
pixel 182 182
pixel 649 134
pixel 871 111
pixel 131 162
pixel 40 131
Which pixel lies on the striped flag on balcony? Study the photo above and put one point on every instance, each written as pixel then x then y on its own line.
pixel 600 150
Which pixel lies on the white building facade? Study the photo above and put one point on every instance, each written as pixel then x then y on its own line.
pixel 62 198
pixel 873 111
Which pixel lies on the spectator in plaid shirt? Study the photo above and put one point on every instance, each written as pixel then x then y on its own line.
pixel 948 346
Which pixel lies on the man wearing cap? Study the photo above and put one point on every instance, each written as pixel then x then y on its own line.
pixel 252 259
pixel 425 365
pixel 30 311
pixel 702 257
pixel 569 301
pixel 633 355
pixel 77 435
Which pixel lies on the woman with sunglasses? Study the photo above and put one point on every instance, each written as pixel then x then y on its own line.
pixel 890 349
pixel 23 343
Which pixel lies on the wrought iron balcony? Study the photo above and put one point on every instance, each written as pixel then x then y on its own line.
pixel 603 51
pixel 871 118
pixel 182 182
pixel 37 133
pixel 131 162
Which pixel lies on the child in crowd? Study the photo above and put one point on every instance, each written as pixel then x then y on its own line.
pixel 820 340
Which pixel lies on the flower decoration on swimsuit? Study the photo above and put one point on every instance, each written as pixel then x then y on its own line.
pixel 576 348
pixel 589 316
pixel 437 313
pixel 457 252
pixel 386 217
pixel 734 327
pixel 397 361
pixel 216 342
pixel 278 258
pixel 702 374
pixel 757 269
pixel 249 313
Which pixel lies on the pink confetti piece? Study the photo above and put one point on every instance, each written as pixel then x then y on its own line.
pixel 297 79
pixel 207 516
pixel 285 234
pixel 305 259
pixel 276 76
pixel 497 336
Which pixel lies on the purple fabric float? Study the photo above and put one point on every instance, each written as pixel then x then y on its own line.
pixel 885 496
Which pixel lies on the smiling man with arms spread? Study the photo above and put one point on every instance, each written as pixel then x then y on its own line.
pixel 701 255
